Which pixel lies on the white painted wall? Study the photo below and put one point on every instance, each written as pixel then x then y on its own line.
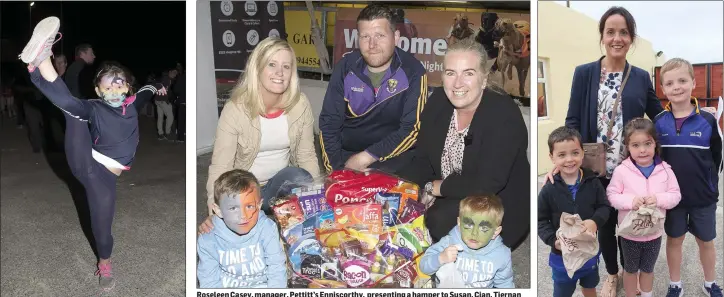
pixel 207 114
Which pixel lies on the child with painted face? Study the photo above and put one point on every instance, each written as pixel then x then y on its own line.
pixel 576 191
pixel 473 247
pixel 641 179
pixel 98 155
pixel 244 249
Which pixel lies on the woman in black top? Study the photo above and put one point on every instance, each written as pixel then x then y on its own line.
pixel 473 140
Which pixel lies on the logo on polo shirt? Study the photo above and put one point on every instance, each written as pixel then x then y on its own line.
pixel 695 134
pixel 358 90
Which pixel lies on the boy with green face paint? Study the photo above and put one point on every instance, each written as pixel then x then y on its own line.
pixel 472 253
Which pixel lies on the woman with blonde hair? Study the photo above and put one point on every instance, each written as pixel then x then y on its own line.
pixel 267 125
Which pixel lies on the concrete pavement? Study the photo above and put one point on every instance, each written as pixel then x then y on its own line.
pixel 43 247
pixel 692 276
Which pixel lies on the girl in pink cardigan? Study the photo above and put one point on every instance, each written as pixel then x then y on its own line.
pixel 642 178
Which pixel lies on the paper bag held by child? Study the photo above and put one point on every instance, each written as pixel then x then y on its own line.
pixel 577 245
pixel 646 221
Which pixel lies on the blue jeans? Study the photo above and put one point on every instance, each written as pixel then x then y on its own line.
pixel 282 183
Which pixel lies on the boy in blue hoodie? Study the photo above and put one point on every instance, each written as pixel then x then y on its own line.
pixel 243 250
pixel 473 248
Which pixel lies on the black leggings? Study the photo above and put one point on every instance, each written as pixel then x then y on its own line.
pixel 607 239
pixel 99 182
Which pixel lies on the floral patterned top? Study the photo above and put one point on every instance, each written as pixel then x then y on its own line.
pixel 452 153
pixel 607 94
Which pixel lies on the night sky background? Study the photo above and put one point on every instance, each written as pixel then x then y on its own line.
pixel 146 37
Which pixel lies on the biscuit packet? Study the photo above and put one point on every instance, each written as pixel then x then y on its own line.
pixel 359 216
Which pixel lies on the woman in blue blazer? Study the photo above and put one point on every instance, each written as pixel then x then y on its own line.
pixel 595 88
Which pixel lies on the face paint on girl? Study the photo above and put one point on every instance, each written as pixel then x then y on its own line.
pixel 241 211
pixel 113 90
pixel 477 229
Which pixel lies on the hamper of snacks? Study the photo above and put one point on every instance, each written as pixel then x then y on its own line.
pixel 354 230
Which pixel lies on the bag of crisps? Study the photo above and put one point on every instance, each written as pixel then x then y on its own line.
pixel 350 187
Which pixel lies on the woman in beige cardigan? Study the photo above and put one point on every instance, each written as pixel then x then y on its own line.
pixel 267 125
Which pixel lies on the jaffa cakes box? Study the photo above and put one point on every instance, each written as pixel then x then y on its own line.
pixel 359 216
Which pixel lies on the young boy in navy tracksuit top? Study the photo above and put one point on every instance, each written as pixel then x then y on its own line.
pixel 691 144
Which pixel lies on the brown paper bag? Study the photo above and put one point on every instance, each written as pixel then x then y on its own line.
pixel 646 221
pixel 577 245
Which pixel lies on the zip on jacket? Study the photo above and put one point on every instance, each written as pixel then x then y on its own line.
pixel 694 152
pixel 555 199
pixel 628 183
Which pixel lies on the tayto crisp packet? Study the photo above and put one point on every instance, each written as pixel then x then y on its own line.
pixel 413 210
pixel 390 205
pixel 288 213
pixel 359 216
pixel 311 199
pixel 359 190
pixel 408 191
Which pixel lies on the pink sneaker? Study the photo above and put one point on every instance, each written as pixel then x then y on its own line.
pixel 105 273
pixel 40 46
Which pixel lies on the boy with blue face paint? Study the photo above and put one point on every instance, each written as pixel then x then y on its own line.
pixel 243 250
pixel 98 155
pixel 473 247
